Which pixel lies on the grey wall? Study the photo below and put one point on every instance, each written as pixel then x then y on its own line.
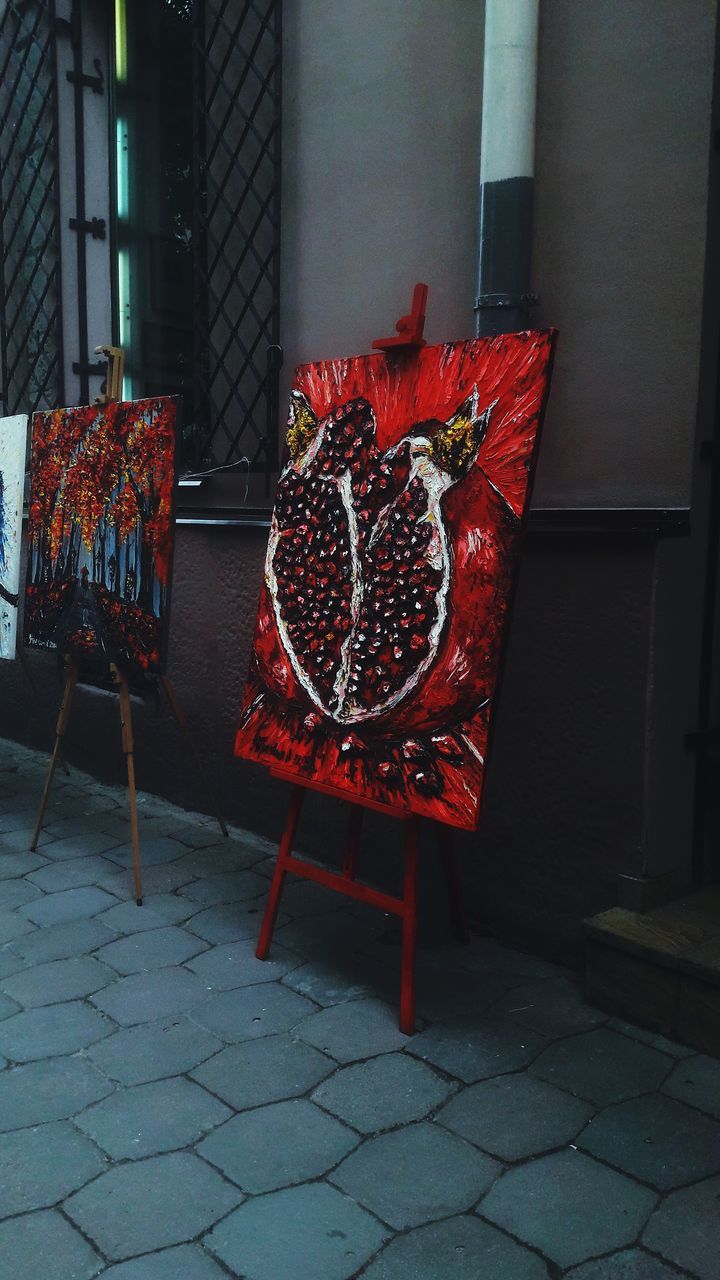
pixel 382 112
pixel 380 175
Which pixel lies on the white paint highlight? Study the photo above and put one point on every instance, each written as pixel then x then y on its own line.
pixel 13 446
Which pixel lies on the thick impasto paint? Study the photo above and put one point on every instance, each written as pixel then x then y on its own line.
pixel 389 571
pixel 13 444
pixel 101 533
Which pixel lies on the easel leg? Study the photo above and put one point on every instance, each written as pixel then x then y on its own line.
pixel 63 716
pixel 129 748
pixel 452 879
pixel 409 942
pixel 353 841
pixel 184 727
pixel 278 880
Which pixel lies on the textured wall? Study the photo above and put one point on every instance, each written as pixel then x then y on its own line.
pixel 382 126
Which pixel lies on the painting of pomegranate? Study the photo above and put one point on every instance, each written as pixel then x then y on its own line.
pixel 389 571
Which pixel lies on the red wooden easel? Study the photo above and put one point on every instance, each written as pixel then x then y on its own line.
pixel 409 338
pixel 346 882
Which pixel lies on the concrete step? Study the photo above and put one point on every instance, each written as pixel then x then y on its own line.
pixel 661 968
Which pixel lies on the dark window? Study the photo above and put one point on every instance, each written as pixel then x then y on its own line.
pixel 197 126
pixel 30 321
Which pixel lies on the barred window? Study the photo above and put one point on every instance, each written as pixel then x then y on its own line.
pixel 31 369
pixel 169 226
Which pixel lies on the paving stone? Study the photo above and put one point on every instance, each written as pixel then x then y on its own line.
pixel 445 995
pixel 147 996
pixel 58 981
pixel 49 1090
pixel 167 1047
pixel 80 846
pixel 10 963
pixel 13 926
pixel 151 949
pixel 19 839
pixel 59 941
pixel 249 1012
pixel 51 1031
pixel 333 934
pixel 156 850
pixel 342 978
pixel 302 1233
pixel 630 1029
pixel 354 1029
pixel 79 824
pixel 40 1166
pixel 150 1204
pixel 18 818
pixel 186 1262
pixel 237 886
pixel 515 1116
pixel 193 830
pixel 553 1008
pixel 262 1071
pixel 684 1229
pixel 568 1206
pixel 75 873
pixel 697 1082
pixel 303 898
pixel 477 1048
pixel 16 893
pixel 672 1047
pixel 72 904
pixel 278 1145
pixel 156 880
pixel 383 1092
pixel 415 1175
pixel 657 1140
pixel 151 1118
pixel 174 910
pixel 459 1247
pixel 232 923
pixel 18 864
pixel 7 1006
pixel 235 964
pixel 128 917
pixel 630 1264
pixel 218 859
pixel 43 1245
pixel 603 1067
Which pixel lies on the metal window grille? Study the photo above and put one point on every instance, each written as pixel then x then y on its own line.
pixel 30 318
pixel 236 230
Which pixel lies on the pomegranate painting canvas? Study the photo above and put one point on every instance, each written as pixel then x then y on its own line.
pixel 101 534
pixel 391 560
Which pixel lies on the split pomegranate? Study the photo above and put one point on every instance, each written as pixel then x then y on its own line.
pixel 389 571
pixel 359 565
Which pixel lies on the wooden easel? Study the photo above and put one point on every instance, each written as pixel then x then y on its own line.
pixel 116 359
pixel 346 882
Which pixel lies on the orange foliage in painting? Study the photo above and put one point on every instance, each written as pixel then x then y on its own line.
pixel 105 463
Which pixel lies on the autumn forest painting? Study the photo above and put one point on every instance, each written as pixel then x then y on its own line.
pixel 100 535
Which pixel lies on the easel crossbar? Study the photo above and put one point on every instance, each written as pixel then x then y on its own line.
pixel 351 888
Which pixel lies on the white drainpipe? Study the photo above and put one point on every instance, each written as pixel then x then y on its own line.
pixel 507 162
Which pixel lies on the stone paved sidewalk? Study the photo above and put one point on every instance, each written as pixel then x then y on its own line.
pixel 172 1109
